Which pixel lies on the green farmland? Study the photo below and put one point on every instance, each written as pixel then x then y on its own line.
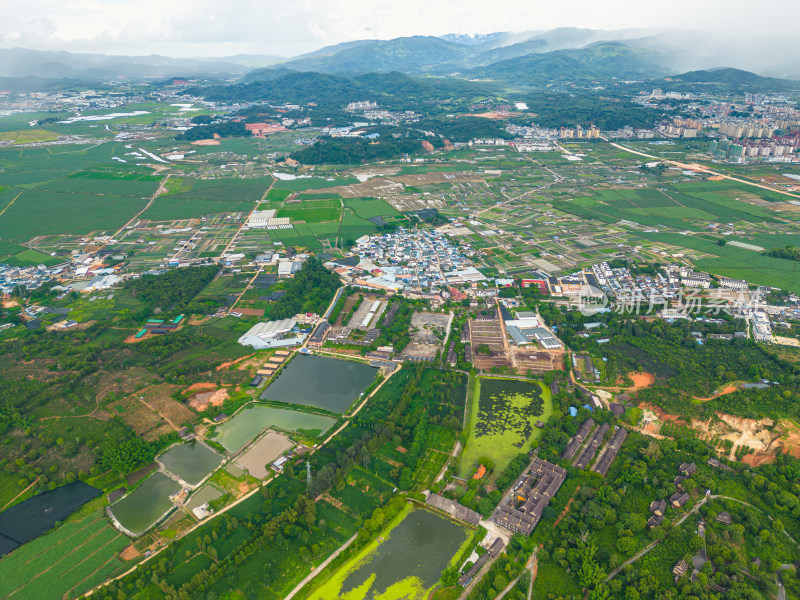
pixel 187 198
pixel 65 562
pixel 681 207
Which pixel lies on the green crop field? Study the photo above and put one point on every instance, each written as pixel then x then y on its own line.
pixel 738 263
pixel 684 207
pixel 66 561
pixel 503 414
pixel 194 198
pixel 370 207
pixel 312 183
pixel 310 215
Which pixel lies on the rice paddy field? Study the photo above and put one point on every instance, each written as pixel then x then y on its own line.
pixel 65 562
pixel 503 415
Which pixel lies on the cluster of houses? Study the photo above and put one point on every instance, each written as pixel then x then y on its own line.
pixel 523 506
pixel 676 500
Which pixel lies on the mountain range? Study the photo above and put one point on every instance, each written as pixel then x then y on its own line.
pixel 531 58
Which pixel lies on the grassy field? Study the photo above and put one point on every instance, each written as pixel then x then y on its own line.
pixel 503 414
pixel 64 562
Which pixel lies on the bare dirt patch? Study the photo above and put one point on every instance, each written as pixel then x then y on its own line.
pixel 202 400
pixel 225 365
pixel 728 390
pixel 196 387
pixel 641 380
pixel 129 553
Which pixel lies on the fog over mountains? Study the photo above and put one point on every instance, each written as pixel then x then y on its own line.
pixel 529 58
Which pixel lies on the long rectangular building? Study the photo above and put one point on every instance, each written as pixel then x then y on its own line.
pixel 591 446
pixel 575 443
pixel 522 508
pixel 610 451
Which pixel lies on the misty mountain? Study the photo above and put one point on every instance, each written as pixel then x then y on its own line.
pixel 417 54
pixel 651 53
pixel 324 88
pixel 734 78
pixel 597 62
pixel 21 62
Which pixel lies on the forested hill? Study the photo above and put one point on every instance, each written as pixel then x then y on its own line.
pixel 733 78
pixel 301 88
pixel 601 61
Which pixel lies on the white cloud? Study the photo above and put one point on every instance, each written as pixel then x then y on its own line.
pixel 216 28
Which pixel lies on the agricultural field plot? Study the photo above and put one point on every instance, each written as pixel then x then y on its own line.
pixel 488 343
pixel 503 417
pixel 77 204
pixel 730 261
pixel 367 208
pixel 682 206
pixel 194 198
pixel 27 136
pixel 66 561
pixel 299 184
pixel 312 211
pixel 150 410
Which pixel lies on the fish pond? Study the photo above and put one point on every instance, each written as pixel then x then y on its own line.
pixel 326 383
pixel 405 562
pixel 503 418
pixel 192 461
pixel 144 506
pixel 237 432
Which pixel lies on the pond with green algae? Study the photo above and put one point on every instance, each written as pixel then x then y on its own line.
pixel 246 425
pixel 405 562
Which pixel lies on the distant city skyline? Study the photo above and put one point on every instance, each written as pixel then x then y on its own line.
pixel 209 28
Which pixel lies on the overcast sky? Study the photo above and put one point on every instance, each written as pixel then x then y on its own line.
pixel 286 28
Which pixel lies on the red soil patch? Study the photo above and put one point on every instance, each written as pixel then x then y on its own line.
pixel 641 380
pixel 196 387
pixel 129 553
pixel 256 312
pixel 205 396
pixel 206 143
pixel 225 365
pixel 756 460
pixel 728 390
